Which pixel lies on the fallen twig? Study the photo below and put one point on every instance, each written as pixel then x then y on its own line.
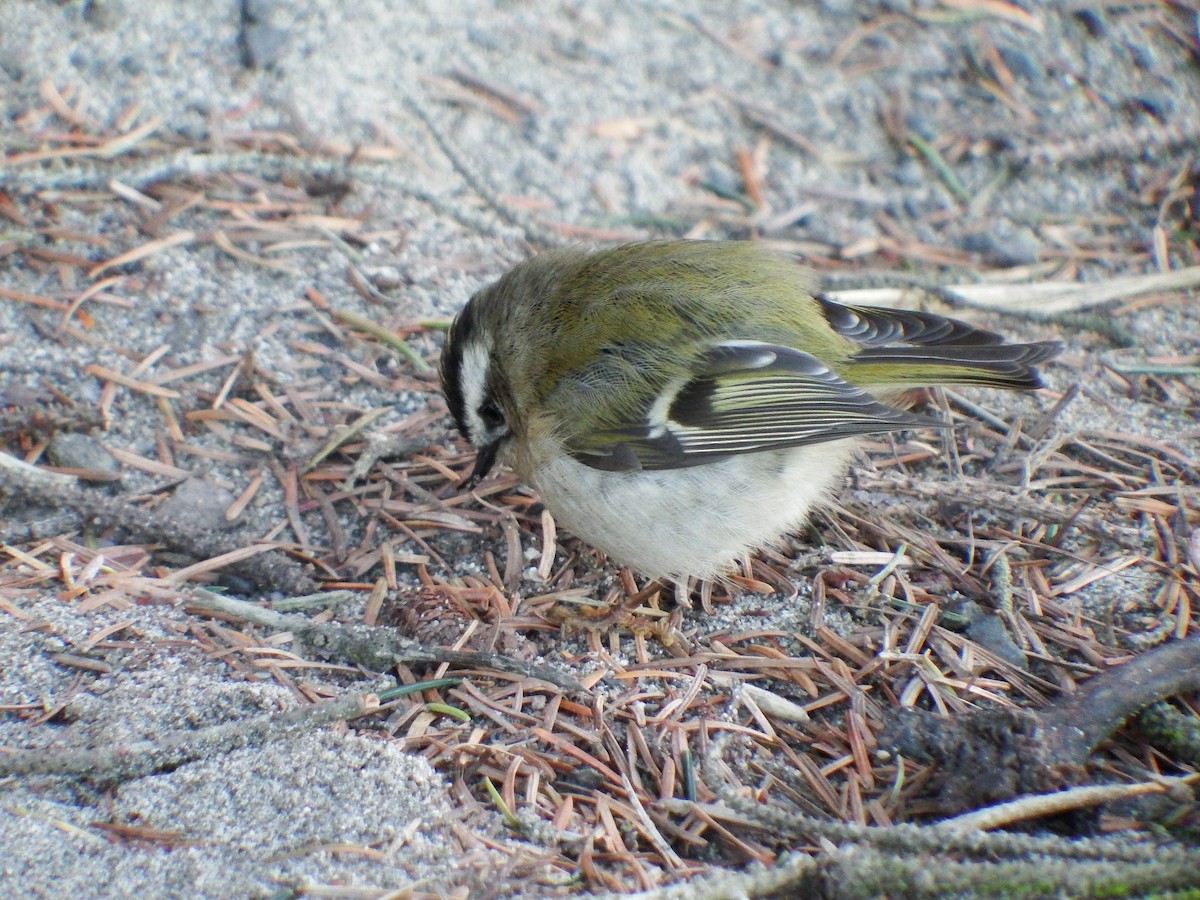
pixel 127 761
pixel 269 569
pixel 373 647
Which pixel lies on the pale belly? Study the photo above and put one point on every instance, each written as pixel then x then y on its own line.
pixel 695 521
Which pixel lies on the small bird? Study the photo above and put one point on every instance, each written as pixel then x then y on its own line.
pixel 677 404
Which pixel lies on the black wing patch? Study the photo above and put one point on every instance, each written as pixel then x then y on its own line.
pixel 746 397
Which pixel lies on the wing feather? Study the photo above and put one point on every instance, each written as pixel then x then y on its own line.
pixel 873 326
pixel 745 397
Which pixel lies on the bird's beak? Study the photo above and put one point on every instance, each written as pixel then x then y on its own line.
pixel 485 458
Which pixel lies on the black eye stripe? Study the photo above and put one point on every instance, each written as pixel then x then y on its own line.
pixel 450 369
pixel 490 414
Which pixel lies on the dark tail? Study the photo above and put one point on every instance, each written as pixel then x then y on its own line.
pixel 946 351
pixel 993 365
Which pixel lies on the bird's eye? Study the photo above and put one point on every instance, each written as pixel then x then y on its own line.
pixel 490 415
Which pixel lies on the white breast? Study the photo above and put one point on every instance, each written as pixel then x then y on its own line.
pixel 695 521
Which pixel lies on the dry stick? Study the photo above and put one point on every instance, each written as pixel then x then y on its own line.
pixel 1057 803
pixel 758 881
pixel 997 754
pixel 1076 726
pixel 136 760
pixel 860 872
pixel 792 826
pixel 172 164
pixel 1041 300
pixel 166 165
pixel 270 570
pixel 42 416
pixel 534 232
pixel 1118 142
pixel 374 648
pixel 1071 728
pixel 900 855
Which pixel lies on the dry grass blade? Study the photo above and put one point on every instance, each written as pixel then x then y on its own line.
pixel 1041 299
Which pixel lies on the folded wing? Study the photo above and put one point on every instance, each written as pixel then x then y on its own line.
pixel 744 397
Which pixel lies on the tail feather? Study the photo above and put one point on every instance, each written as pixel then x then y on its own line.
pixel 941 350
pixel 993 365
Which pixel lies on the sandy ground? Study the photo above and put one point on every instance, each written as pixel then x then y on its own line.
pixel 598 120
